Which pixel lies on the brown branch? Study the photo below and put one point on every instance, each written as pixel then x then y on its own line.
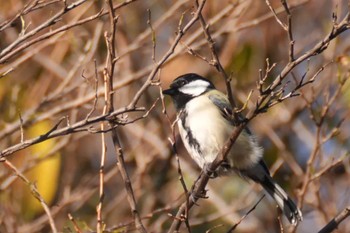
pixel 179 171
pixel 26 9
pixel 246 214
pixel 283 25
pixel 317 49
pixel 28 115
pixel 34 162
pixel 289 30
pixel 53 20
pixel 159 64
pixel 153 33
pixel 70 101
pixel 200 185
pixel 122 226
pixel 75 225
pixel 8 54
pixel 109 107
pixel 79 126
pixel 319 124
pixel 99 225
pixel 16 47
pixel 242 26
pixel 216 62
pixel 334 223
pixel 79 195
pixel 127 182
pixel 34 192
pixel 96 95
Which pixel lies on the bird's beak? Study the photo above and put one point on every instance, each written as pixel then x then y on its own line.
pixel 169 92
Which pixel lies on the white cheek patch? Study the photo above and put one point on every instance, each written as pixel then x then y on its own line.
pixel 195 88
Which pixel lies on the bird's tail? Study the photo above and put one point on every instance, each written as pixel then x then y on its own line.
pixel 290 210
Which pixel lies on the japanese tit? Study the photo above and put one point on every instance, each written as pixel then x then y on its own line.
pixel 205 123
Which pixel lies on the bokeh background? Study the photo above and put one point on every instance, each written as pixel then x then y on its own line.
pixel 55 79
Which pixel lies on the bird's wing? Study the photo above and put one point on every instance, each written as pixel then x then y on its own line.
pixel 221 101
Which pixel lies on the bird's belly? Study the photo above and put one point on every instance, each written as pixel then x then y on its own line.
pixel 211 135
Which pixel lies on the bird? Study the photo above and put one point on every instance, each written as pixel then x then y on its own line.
pixel 205 122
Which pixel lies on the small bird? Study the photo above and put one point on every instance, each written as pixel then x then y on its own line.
pixel 205 122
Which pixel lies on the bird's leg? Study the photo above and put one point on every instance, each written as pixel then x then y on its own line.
pixel 193 196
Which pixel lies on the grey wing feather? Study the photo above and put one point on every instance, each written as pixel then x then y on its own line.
pixel 223 104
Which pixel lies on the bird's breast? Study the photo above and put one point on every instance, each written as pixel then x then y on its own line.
pixel 204 132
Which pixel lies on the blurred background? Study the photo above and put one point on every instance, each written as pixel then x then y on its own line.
pixel 53 77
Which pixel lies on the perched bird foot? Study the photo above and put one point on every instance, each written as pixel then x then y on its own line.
pixel 210 173
pixel 195 196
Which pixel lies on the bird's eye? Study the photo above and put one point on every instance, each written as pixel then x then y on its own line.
pixel 182 82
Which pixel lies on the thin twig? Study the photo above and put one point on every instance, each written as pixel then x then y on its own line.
pixel 34 192
pixel 80 126
pixel 78 195
pixel 180 33
pixel 245 215
pixel 96 95
pixel 27 116
pixel 308 177
pixel 200 185
pixel 216 62
pixel 334 223
pixel 153 33
pixel 127 183
pixel 99 226
pixel 21 128
pixel 75 225
pixel 179 171
pixel 19 45
pixel 289 30
pixel 54 19
pixel 283 25
pixel 108 74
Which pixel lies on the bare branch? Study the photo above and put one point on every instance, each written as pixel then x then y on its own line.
pixel 79 126
pixel 216 62
pixel 245 215
pixel 34 192
pixel 199 186
pixel 149 22
pixel 76 227
pixel 180 34
pixel 334 223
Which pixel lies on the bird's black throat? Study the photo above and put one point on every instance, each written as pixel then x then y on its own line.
pixel 179 99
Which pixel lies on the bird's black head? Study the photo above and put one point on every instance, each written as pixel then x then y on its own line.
pixel 186 87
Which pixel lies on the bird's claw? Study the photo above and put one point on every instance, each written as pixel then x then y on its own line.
pixel 194 196
pixel 210 173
